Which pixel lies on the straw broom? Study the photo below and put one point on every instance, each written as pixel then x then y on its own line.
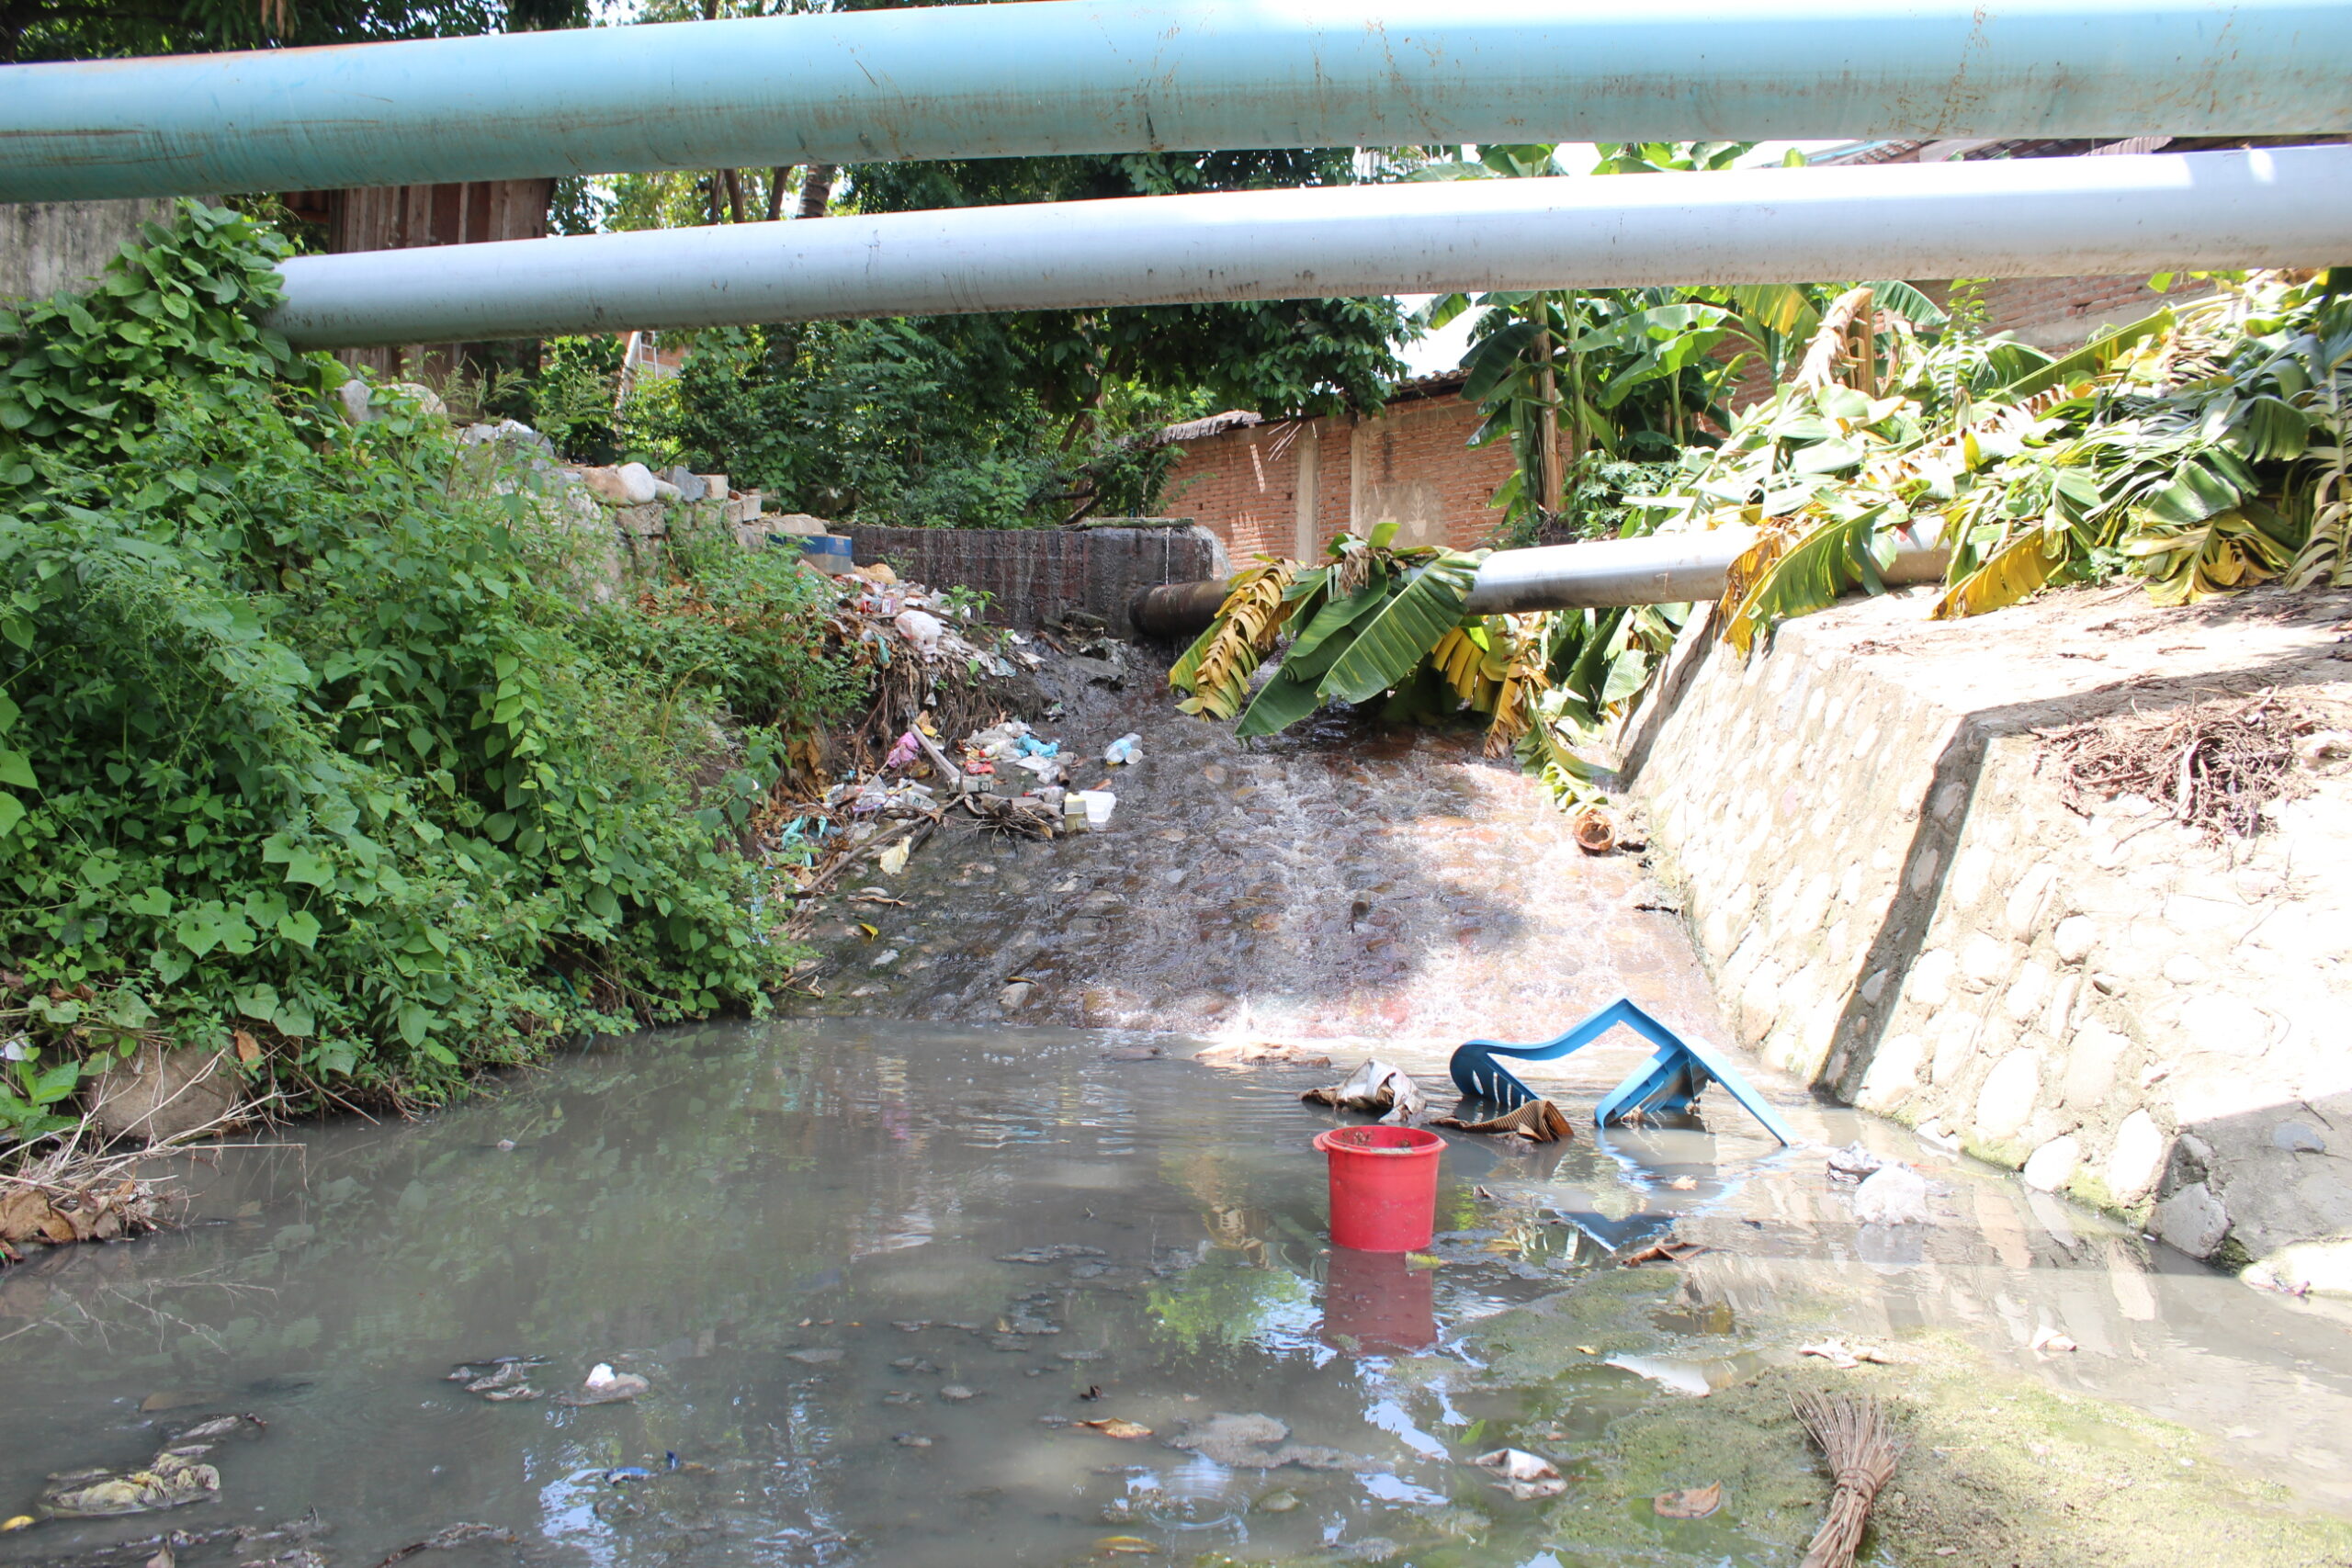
pixel 1861 1450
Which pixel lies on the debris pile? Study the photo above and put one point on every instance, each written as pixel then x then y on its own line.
pixel 2212 767
pixel 177 1476
pixel 944 733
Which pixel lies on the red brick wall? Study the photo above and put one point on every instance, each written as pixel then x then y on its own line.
pixel 1413 462
pixel 1242 486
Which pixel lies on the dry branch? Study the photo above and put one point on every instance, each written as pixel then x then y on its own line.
pixel 2212 767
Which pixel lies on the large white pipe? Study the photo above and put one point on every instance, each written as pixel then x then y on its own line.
pixel 1132 76
pixel 2040 217
pixel 1596 574
pixel 1658 568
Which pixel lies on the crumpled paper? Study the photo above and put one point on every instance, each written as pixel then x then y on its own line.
pixel 1377 1089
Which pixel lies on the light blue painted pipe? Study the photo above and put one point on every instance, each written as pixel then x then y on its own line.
pixel 1112 75
pixel 2017 218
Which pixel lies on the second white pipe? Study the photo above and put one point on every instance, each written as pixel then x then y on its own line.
pixel 2041 217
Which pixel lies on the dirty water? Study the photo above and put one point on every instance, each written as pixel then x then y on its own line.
pixel 876 1275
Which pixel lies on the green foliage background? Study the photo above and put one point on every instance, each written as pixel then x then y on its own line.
pixel 299 737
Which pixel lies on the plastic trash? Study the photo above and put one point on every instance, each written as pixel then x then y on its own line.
pixel 605 1386
pixel 1384 1186
pixel 1895 1195
pixel 1126 748
pixel 921 628
pixel 1030 746
pixel 1047 767
pixel 908 747
pixel 1099 803
pixel 1377 1089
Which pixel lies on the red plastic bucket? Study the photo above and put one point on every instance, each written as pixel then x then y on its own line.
pixel 1384 1186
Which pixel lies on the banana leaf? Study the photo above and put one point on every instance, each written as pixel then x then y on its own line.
pixel 1279 703
pixel 1838 554
pixel 2086 361
pixel 2010 573
pixel 1895 295
pixel 1314 664
pixel 1402 632
pixel 1336 616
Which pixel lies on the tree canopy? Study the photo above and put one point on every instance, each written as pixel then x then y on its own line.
pixel 109 30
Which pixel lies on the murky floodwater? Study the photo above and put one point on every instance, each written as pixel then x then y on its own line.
pixel 879 1274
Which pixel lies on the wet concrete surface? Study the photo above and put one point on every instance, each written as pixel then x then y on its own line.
pixel 1339 881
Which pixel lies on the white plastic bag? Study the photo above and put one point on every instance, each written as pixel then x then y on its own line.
pixel 921 628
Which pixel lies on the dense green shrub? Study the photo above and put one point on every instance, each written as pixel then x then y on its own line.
pixel 299 746
pixel 745 628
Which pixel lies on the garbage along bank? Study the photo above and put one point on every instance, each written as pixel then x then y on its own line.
pixel 1034 575
pixel 1341 882
pixel 1948 872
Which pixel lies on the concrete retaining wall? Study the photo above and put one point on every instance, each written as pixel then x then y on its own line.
pixel 1877 864
pixel 1037 574
pixel 46 246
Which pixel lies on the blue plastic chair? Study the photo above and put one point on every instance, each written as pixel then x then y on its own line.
pixel 1674 1078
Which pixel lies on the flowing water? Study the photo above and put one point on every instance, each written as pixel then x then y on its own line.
pixel 880 1272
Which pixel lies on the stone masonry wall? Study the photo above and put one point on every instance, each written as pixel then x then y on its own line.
pixel 1878 864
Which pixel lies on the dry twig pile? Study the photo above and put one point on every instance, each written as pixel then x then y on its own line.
pixel 2212 767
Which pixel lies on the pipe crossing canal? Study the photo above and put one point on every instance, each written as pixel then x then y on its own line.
pixel 880 1262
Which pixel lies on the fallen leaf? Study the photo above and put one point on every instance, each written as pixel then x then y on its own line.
pixel 1695 1502
pixel 1587 1349
pixel 21 1522
pixel 871 932
pixel 1113 1427
pixel 164 1558
pixel 1126 1546
pixel 1536 1122
pixel 248 1052
pixel 1670 1250
pixel 894 860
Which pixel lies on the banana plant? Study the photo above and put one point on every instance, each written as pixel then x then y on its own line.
pixel 1361 624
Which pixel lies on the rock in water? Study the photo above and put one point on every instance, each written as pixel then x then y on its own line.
pixel 1896 1195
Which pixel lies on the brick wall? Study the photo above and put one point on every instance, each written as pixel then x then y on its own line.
pixel 1287 487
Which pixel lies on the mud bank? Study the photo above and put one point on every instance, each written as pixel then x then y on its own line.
pixel 1886 881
